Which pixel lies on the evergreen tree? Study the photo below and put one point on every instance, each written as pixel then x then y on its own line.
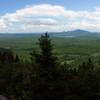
pixel 17 59
pixel 46 78
pixel 7 56
pixel 86 85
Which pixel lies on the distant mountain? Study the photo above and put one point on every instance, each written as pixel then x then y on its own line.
pixel 76 33
pixel 69 34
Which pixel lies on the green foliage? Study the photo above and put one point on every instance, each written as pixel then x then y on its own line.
pixel 74 48
pixel 45 77
pixel 7 56
pixel 46 83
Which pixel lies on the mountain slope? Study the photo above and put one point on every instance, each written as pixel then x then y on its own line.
pixel 76 33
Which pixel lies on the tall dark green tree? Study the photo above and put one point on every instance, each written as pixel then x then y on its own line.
pixel 46 84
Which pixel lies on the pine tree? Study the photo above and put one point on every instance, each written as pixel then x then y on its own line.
pixel 17 59
pixel 88 81
pixel 46 77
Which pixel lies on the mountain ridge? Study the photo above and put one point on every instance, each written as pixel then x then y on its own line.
pixel 76 33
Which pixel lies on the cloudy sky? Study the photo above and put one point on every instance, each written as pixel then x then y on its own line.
pixel 49 15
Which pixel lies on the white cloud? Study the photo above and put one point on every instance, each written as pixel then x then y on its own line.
pixel 46 17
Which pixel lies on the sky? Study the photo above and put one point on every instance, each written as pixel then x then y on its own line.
pixel 25 16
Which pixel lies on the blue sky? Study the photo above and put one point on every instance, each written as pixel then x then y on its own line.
pixel 49 15
pixel 12 5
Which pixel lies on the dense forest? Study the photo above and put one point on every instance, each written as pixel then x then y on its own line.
pixel 45 77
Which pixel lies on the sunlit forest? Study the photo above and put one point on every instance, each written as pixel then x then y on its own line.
pixel 43 76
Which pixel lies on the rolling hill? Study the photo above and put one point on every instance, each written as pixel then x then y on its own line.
pixel 76 33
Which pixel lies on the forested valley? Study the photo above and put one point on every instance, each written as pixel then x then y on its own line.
pixel 45 77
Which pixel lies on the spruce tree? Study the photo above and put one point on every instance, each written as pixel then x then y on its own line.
pixel 46 78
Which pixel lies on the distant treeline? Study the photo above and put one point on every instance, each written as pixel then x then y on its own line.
pixel 45 77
